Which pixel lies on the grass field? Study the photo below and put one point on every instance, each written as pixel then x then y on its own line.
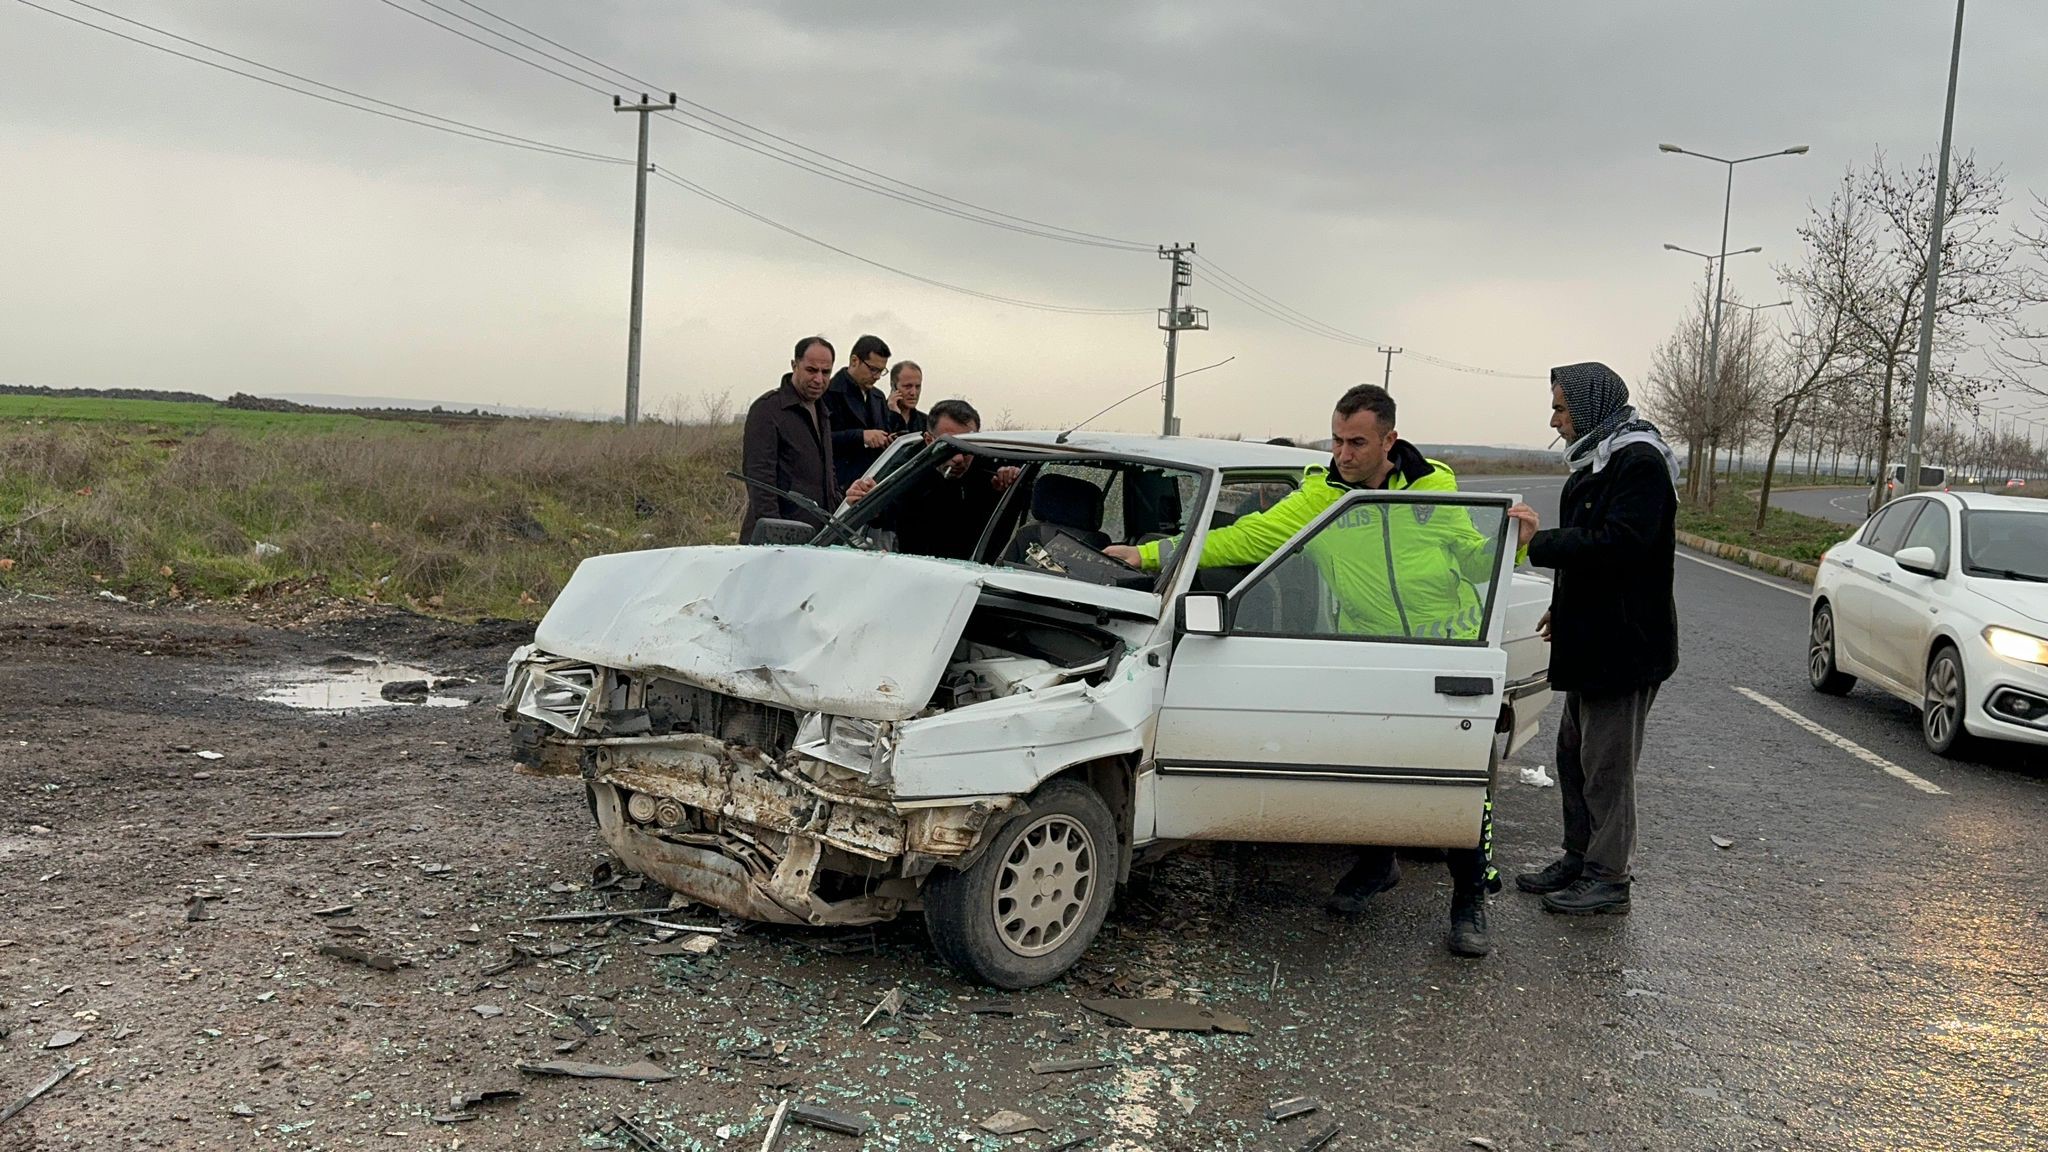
pixel 1784 534
pixel 166 414
pixel 470 521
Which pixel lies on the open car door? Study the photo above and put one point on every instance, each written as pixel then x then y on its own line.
pixel 1347 691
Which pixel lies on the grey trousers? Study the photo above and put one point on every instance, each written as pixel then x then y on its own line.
pixel 1597 749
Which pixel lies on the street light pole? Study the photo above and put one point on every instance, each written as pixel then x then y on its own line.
pixel 1727 204
pixel 1918 427
pixel 1707 366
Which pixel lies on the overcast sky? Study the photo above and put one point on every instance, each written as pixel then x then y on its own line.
pixel 1477 182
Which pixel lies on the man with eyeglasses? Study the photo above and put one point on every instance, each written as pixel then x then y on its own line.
pixel 859 410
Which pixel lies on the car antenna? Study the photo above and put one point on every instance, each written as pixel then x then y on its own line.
pixel 1062 437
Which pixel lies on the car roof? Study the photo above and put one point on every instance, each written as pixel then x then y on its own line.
pixel 1200 451
pixel 1985 501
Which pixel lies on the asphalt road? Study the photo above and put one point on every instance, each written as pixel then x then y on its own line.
pixel 1863 968
pixel 1842 505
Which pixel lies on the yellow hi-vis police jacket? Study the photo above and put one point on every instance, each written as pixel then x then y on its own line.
pixel 1397 570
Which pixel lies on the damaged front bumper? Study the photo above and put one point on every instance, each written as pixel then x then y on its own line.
pixel 798 841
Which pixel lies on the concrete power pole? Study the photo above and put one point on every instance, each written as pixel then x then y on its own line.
pixel 1175 319
pixel 1387 381
pixel 639 249
pixel 1918 427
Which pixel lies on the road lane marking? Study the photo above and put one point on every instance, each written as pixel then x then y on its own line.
pixel 1845 744
pixel 1744 575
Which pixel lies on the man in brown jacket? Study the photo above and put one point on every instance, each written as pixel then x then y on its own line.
pixel 789 441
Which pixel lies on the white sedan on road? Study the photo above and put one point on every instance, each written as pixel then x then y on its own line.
pixel 1942 600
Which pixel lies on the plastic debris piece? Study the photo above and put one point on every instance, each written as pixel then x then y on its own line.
pixel 1537 778
pixel 1169 1016
pixel 196 909
pixel 817 1116
pixel 681 946
pixel 211 755
pixel 488 1011
pixel 645 1071
pixel 1723 842
pixel 1293 1106
pixel 640 1137
pixel 63 1040
pixel 1483 1142
pixel 992 1008
pixel 35 1093
pixel 775 1127
pixel 469 1100
pixel 452 1117
pixel 891 1005
pixel 1056 1067
pixel 335 910
pixel 1008 1123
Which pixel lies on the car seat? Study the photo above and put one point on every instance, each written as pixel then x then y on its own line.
pixel 1064 503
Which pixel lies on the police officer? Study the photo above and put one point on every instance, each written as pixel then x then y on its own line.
pixel 1426 587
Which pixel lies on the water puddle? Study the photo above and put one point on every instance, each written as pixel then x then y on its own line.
pixel 347 684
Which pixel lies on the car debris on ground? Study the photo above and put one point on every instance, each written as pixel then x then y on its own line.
pixel 644 1071
pixel 36 1093
pixel 1169 1016
pixel 1291 1107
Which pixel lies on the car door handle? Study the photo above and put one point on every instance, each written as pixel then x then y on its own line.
pixel 1884 577
pixel 1848 563
pixel 1464 686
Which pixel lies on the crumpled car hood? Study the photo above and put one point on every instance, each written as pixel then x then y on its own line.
pixel 834 630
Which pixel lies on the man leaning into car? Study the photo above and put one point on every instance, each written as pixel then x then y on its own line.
pixel 1418 584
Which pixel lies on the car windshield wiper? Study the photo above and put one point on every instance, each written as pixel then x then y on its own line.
pixel 2008 574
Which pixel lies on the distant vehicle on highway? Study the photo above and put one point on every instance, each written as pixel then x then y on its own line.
pixel 2015 482
pixel 1942 600
pixel 1933 478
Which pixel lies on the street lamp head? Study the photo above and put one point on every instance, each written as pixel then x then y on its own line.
pixel 1673 248
pixel 1669 148
pixel 1797 150
pixel 1747 251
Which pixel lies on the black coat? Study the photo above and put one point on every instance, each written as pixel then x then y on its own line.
pixel 854 412
pixel 1613 621
pixel 941 516
pixel 786 447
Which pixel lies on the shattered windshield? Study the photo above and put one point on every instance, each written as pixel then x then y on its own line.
pixel 2006 545
pixel 962 501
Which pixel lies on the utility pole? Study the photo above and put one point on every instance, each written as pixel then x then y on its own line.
pixel 1175 319
pixel 639 249
pixel 1918 427
pixel 1387 381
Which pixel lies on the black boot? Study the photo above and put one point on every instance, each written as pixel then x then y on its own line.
pixel 1469 935
pixel 1374 873
pixel 1561 874
pixel 1590 897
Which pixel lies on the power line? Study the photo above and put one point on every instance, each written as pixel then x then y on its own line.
pixel 919 196
pixel 1246 294
pixel 493 47
pixel 166 33
pixel 1036 305
pixel 487 135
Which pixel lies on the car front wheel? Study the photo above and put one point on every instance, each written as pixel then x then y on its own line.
pixel 1820 655
pixel 1025 911
pixel 1947 698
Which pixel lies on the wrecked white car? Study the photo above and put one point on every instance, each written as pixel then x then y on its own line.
pixel 840 732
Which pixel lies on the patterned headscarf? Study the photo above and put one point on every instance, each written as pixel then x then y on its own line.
pixel 1597 400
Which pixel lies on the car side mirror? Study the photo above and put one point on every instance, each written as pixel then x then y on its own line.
pixel 1920 560
pixel 768 530
pixel 1205 613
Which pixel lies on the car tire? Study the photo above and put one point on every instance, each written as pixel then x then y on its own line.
pixel 1946 696
pixel 1027 909
pixel 1820 655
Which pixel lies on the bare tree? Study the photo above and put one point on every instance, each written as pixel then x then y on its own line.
pixel 1980 278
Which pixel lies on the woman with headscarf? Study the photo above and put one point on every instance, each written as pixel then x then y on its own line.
pixel 1613 627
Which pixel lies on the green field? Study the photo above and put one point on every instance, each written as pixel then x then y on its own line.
pixel 162 501
pixel 173 415
pixel 1787 535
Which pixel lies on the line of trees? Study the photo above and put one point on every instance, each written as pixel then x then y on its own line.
pixel 1829 387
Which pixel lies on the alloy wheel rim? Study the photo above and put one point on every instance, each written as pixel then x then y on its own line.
pixel 1044 885
pixel 1820 653
pixel 1943 703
